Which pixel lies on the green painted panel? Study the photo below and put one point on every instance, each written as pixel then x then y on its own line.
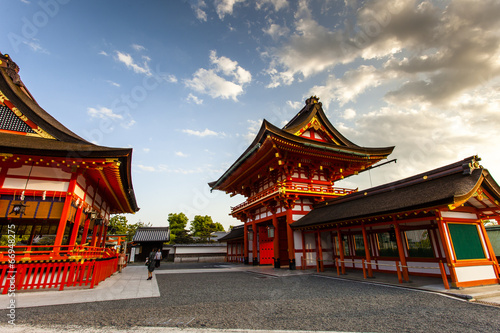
pixel 494 236
pixel 466 242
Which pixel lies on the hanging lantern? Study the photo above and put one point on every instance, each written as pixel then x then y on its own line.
pixel 18 208
pixel 270 231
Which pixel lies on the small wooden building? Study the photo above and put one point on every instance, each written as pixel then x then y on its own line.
pixel 148 238
pixel 412 225
pixel 234 244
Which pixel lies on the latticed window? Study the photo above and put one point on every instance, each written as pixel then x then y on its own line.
pixel 419 244
pixel 9 121
pixel 360 245
pixel 387 247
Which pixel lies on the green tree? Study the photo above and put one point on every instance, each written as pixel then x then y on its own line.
pixel 203 226
pixel 178 232
pixel 118 225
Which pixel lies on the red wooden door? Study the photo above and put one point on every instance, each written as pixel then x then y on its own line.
pixel 266 247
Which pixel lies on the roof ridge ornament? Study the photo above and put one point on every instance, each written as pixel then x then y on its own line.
pixel 313 100
pixel 11 68
pixel 472 165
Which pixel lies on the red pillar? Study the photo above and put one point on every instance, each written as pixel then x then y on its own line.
pixel 255 256
pixel 367 251
pixel 320 253
pixel 289 232
pixel 94 235
pixel 65 212
pixel 85 232
pixel 402 257
pixel 76 226
pixel 245 243
pixel 341 250
pixel 276 243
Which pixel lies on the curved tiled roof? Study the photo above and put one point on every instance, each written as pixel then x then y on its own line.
pixel 444 186
pixel 313 109
pixel 27 129
pixel 236 233
pixel 152 234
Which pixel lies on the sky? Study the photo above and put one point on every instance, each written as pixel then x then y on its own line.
pixel 186 84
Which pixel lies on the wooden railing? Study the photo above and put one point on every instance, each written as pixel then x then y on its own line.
pixel 32 253
pixel 294 188
pixel 24 276
pixel 49 266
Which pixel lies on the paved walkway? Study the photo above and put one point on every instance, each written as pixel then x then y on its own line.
pixel 132 283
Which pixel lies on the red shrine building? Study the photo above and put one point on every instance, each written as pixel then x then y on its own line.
pixel 283 173
pixel 57 192
pixel 430 224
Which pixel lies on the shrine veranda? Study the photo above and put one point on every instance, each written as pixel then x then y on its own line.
pixel 57 192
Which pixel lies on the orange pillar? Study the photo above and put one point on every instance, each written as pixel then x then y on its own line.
pixel 255 255
pixel 341 250
pixel 402 257
pixel 289 232
pixel 76 227
pixel 446 247
pixel 65 212
pixel 245 244
pixel 94 235
pixel 85 232
pixel 104 234
pixel 367 251
pixel 276 243
pixel 320 253
pixel 489 248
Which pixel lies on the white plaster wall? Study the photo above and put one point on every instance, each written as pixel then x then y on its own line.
pixel 475 273
pixel 35 184
pixel 459 215
pixel 310 242
pixel 423 267
pixel 297 240
pixel 200 249
pixel 38 171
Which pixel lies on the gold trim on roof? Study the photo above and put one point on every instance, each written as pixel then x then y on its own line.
pixel 21 116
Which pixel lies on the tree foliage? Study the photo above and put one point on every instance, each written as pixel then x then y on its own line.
pixel 178 232
pixel 118 225
pixel 203 226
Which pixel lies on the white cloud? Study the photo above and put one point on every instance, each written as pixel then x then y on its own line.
pixel 138 47
pixel 208 81
pixel 230 68
pixel 294 105
pixel 113 83
pixel 194 99
pixel 225 7
pixel 205 133
pixel 104 53
pixel 146 150
pixel 277 4
pixel 349 114
pixel 276 31
pixel 103 113
pixel 171 78
pixel 180 154
pixel 146 168
pixel 253 129
pixel 127 59
pixel 199 10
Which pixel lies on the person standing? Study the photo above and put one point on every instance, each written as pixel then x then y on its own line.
pixel 151 263
pixel 158 258
pixel 121 260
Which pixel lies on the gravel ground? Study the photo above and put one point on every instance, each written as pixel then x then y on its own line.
pixel 240 300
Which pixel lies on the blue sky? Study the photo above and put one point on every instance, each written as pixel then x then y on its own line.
pixel 187 83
